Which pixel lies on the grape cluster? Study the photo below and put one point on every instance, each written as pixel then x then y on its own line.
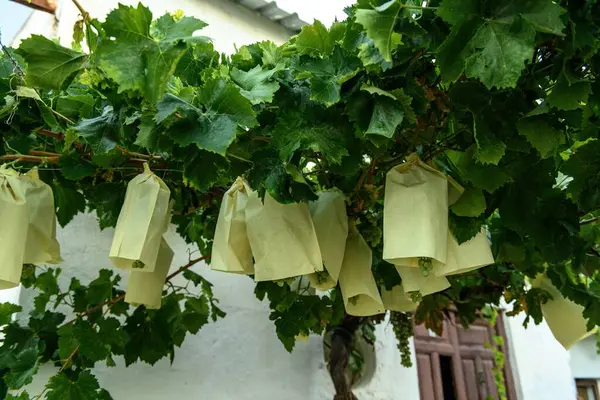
pixel 403 329
pixel 426 265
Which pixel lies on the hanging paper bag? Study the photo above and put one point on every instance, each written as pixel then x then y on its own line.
pixel 146 287
pixel 13 228
pixel 413 280
pixel 331 225
pixel 359 290
pixel 282 239
pixel 563 316
pixel 397 300
pixel 415 214
pixel 468 256
pixel 42 246
pixel 231 248
pixel 143 220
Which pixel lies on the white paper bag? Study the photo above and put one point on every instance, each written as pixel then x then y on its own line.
pixel 415 215
pixel 41 246
pixel 14 217
pixel 413 280
pixel 397 300
pixel 231 248
pixel 469 256
pixel 282 239
pixel 143 220
pixel 563 316
pixel 331 225
pixel 359 290
pixel 146 287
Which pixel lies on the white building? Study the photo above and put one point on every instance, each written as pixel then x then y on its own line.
pixel 240 356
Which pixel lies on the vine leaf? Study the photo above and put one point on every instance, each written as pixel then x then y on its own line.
pixel 379 23
pixel 389 110
pixel 315 40
pixel 568 95
pixel 140 59
pixel 545 138
pixel 68 202
pixel 61 387
pixel 23 367
pixel 6 312
pixel 255 85
pixel 49 65
pixel 583 167
pixel 490 149
pixel 470 204
pixel 101 132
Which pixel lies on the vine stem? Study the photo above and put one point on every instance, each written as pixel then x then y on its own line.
pixel 84 13
pixel 589 221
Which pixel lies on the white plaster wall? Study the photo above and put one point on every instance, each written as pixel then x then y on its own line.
pixel 540 364
pixel 239 357
pixel 585 361
pixel 229 24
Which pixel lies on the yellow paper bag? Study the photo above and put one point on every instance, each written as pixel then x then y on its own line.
pixel 563 316
pixel 282 238
pixel 231 248
pixel 41 246
pixel 13 227
pixel 415 215
pixel 146 287
pixel 413 280
pixel 359 290
pixel 468 256
pixel 141 223
pixel 397 300
pixel 331 225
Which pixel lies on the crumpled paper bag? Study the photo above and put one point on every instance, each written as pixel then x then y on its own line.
pixel 331 225
pixel 231 248
pixel 14 215
pixel 143 220
pixel 282 239
pixel 41 246
pixel 397 300
pixel 468 256
pixel 415 215
pixel 413 280
pixel 146 287
pixel 359 290
pixel 563 316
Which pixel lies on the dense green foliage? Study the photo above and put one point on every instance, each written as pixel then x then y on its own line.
pixel 500 95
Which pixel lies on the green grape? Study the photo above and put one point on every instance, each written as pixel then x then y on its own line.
pixel 403 329
pixel 138 264
pixel 426 265
pixel 415 297
pixel 353 300
pixel 321 277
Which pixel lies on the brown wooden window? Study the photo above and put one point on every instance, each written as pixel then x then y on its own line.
pixel 42 5
pixel 459 365
pixel 587 389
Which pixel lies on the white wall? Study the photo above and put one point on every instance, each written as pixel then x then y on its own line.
pixel 229 24
pixel 585 360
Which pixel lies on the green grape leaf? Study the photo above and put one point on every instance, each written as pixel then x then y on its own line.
pixel 196 313
pixel 255 85
pixel 74 168
pixel 102 132
pixel 271 54
pixel 24 366
pixel 61 387
pixel 490 149
pixel 327 75
pixel 68 202
pixel 379 24
pixel 314 40
pixel 101 288
pixel 49 65
pixel 106 199
pixel 21 396
pixel 545 138
pixel 6 312
pixel 47 282
pixel 137 60
pixel 567 95
pixel 76 105
pixel 169 104
pixel 197 58
pixel 465 228
pixel 390 109
pixel 583 167
pixel 204 169
pixel 487 177
pixel 470 204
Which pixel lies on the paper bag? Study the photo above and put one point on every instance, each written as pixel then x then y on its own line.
pixel 563 316
pixel 413 280
pixel 468 256
pixel 41 246
pixel 359 290
pixel 146 287
pixel 415 215
pixel 231 248
pixel 13 227
pixel 143 220
pixel 282 239
pixel 331 225
pixel 397 300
